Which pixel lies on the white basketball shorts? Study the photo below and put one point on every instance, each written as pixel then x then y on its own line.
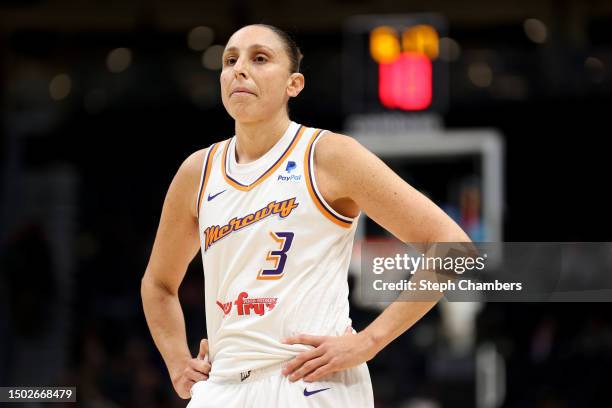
pixel 268 387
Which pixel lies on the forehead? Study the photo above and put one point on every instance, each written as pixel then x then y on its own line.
pixel 254 35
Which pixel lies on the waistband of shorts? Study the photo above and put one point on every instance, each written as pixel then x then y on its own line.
pixel 250 375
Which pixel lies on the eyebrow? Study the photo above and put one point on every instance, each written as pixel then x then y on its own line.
pixel 251 47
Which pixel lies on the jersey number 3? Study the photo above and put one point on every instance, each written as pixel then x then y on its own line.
pixel 279 257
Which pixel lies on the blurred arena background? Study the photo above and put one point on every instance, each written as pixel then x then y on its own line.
pixel 102 100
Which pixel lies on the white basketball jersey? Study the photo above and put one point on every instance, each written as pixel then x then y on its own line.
pixel 275 254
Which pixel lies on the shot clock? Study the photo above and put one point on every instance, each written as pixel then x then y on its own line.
pixel 391 63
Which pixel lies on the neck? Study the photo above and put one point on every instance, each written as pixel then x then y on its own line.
pixel 254 139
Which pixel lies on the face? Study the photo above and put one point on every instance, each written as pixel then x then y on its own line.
pixel 255 79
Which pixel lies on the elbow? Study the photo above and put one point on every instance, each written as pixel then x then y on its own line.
pixel 457 236
pixel 145 281
pixel 450 232
pixel 145 287
pixel 151 286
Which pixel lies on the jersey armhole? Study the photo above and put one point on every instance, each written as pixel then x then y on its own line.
pixel 205 176
pixel 315 194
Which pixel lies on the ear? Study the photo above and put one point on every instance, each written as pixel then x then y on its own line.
pixel 295 84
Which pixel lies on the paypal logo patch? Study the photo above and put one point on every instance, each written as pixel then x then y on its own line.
pixel 287 176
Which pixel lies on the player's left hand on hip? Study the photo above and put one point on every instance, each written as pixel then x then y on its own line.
pixel 330 354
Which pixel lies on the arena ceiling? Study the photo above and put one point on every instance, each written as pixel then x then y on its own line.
pixel 312 15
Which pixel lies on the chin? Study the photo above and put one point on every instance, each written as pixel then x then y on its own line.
pixel 243 118
pixel 245 115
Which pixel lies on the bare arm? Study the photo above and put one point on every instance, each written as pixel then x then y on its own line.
pixel 351 178
pixel 356 179
pixel 176 244
pixel 361 177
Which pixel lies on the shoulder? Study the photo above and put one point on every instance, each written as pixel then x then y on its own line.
pixel 339 154
pixel 348 166
pixel 339 165
pixel 333 149
pixel 187 178
pixel 191 166
pixel 335 145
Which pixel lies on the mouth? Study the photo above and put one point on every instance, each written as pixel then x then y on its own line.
pixel 242 91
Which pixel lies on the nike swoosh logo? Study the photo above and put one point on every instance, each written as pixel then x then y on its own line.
pixel 210 197
pixel 309 393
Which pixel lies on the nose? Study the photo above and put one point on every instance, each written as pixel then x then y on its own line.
pixel 240 68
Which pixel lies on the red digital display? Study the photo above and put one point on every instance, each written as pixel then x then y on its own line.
pixel 406 83
pixel 394 64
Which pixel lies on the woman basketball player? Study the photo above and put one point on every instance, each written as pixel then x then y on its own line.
pixel 273 211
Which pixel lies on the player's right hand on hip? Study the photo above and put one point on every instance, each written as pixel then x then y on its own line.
pixel 195 369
